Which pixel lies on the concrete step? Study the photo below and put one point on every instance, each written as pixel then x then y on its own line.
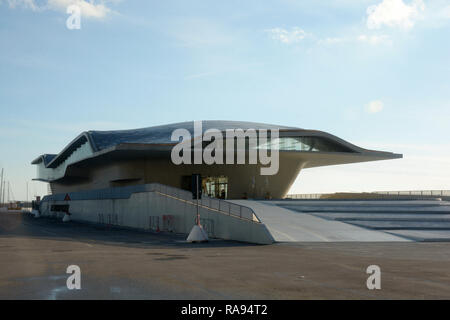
pixel 383 216
pixel 402 225
pixel 423 235
pixel 360 209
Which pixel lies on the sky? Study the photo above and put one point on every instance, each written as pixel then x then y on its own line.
pixel 373 72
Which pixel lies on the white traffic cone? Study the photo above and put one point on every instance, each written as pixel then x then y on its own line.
pixel 197 234
pixel 66 218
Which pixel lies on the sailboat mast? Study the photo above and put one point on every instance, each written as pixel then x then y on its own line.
pixel 1 189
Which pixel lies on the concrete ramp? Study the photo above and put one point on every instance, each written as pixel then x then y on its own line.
pixel 286 225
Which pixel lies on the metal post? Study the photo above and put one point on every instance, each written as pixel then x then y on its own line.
pixel 198 213
pixel 1 189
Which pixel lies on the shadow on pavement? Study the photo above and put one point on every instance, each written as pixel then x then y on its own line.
pixel 25 225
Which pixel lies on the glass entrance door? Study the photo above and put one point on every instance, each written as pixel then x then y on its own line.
pixel 216 187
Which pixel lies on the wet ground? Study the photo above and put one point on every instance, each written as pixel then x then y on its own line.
pixel 127 264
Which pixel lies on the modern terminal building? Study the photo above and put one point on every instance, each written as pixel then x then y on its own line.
pixel 104 159
pixel 121 166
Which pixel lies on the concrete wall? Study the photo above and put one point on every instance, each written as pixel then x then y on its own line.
pixel 155 211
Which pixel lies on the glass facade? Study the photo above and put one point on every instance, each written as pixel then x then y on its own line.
pixel 304 144
pixel 309 144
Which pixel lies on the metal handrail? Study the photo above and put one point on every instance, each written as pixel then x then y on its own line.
pixel 220 209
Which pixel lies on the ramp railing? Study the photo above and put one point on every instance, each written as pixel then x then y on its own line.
pixel 218 205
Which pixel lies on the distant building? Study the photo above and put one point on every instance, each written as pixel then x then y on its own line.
pixel 104 159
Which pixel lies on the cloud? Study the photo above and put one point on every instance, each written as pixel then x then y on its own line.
pixel 199 32
pixel 294 35
pixel 394 13
pixel 89 9
pixel 27 4
pixel 374 39
pixel 333 40
pixel 438 13
pixel 374 106
pixel 363 38
pixel 446 12
pixel 199 75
